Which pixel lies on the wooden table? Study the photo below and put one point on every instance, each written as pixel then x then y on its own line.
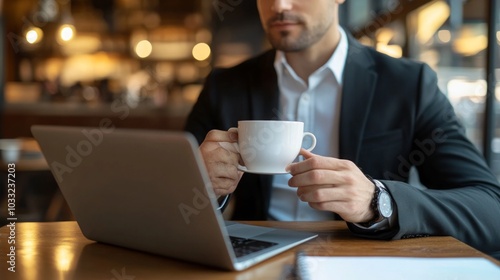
pixel 58 250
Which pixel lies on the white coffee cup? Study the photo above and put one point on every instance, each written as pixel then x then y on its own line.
pixel 269 146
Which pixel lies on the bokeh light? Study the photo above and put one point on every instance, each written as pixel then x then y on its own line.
pixel 143 49
pixel 201 51
pixel 34 35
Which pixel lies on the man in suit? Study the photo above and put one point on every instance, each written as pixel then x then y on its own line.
pixel 374 117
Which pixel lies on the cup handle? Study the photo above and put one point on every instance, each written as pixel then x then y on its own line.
pixel 237 148
pixel 309 134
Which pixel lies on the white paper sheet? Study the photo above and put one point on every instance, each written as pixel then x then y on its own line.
pixel 388 268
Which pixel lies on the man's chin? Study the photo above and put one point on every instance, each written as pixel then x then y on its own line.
pixel 286 43
pixel 289 49
pixel 287 46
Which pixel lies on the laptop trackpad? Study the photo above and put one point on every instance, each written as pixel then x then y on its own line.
pixel 246 231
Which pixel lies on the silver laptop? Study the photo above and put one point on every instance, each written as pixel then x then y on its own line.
pixel 149 191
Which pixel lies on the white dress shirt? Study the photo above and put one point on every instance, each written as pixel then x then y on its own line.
pixel 315 102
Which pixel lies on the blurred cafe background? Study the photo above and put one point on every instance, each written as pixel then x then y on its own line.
pixel 142 63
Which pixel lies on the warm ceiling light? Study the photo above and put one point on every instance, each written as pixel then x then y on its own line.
pixel 34 35
pixel 444 36
pixel 67 32
pixel 365 40
pixel 385 35
pixel 470 45
pixel 143 49
pixel 201 51
pixel 430 18
pixel 498 36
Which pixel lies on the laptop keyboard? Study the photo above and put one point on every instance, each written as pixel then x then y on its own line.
pixel 244 246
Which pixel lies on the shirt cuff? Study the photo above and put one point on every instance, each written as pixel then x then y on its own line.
pixel 385 224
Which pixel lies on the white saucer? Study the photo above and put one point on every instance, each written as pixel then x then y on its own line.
pixel 270 172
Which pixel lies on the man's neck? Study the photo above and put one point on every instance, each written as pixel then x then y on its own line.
pixel 305 62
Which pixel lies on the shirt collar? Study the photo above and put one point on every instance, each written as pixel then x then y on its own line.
pixel 336 63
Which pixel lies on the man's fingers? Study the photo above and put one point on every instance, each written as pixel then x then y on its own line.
pixel 232 147
pixel 222 136
pixel 320 193
pixel 223 170
pixel 220 154
pixel 223 175
pixel 305 153
pixel 233 130
pixel 318 162
pixel 315 177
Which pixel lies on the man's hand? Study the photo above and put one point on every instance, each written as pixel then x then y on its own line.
pixel 335 185
pixel 221 163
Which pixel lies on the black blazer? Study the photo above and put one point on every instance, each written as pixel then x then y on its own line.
pixel 393 116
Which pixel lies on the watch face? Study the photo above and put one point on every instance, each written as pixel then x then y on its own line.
pixel 384 204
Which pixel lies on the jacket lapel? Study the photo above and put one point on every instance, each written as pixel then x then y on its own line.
pixel 357 93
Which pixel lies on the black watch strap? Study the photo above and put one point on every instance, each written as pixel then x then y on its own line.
pixel 374 204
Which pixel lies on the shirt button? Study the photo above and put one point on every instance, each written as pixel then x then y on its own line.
pixel 305 97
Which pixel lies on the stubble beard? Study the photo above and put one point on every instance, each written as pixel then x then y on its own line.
pixel 284 40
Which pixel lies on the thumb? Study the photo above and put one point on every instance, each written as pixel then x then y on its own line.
pixel 305 153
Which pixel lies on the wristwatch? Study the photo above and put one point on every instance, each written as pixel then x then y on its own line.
pixel 381 203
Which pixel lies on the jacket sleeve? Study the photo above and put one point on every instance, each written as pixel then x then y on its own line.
pixel 462 196
pixel 201 118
